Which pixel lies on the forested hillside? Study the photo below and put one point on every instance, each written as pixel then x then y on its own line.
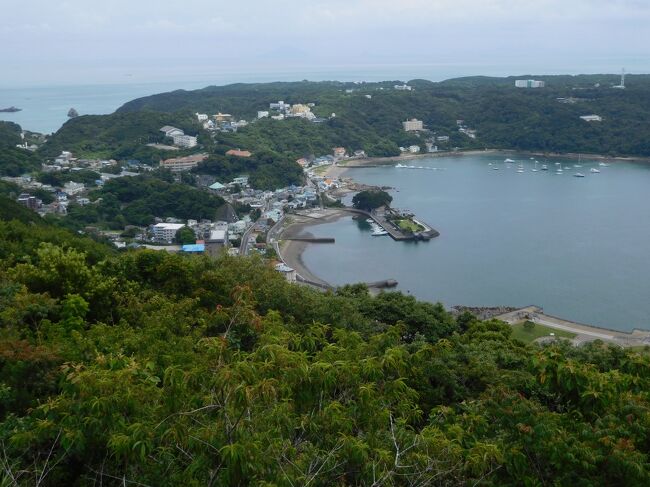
pixel 504 117
pixel 14 161
pixel 146 368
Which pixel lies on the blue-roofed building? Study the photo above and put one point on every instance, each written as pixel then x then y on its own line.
pixel 217 186
pixel 193 248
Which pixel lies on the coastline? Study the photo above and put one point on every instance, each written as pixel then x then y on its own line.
pixel 291 251
pixel 385 161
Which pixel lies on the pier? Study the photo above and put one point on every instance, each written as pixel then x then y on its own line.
pixel 382 218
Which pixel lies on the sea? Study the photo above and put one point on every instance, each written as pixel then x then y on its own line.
pixel 578 247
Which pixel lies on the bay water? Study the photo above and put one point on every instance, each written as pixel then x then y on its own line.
pixel 578 247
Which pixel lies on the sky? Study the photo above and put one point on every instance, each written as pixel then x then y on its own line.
pixel 113 41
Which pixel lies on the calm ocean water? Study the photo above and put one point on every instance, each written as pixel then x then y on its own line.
pixel 45 109
pixel 578 247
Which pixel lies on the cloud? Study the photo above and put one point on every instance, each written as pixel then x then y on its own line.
pixel 35 33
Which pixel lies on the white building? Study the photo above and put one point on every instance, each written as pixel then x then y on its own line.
pixel 529 83
pixel 404 87
pixel 288 273
pixel 166 232
pixel 412 125
pixel 202 117
pixel 592 118
pixel 414 149
pixel 71 188
pixel 280 106
pixel 262 114
pixel 170 131
pixel 184 141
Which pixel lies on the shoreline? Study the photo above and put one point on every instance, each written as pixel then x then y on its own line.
pixel 291 251
pixel 385 161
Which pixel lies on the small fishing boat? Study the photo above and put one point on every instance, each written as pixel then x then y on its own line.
pixel 578 175
pixel 594 170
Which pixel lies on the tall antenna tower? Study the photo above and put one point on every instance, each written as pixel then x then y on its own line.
pixel 622 85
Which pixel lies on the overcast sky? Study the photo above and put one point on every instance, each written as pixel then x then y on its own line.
pixel 46 41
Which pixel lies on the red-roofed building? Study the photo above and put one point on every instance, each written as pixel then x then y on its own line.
pixel 238 153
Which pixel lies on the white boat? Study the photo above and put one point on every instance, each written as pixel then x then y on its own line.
pixel 495 168
pixel 370 220
pixel 535 168
pixel 378 231
pixel 509 161
pixel 559 170
pixel 489 163
pixel 520 170
pixel 578 175
pixel 577 165
pixel 544 167
pixel 594 170
pixel 603 164
pixel 567 168
pixel 399 164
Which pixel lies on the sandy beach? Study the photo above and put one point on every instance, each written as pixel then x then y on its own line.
pixel 291 251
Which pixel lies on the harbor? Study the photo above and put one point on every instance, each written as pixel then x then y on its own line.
pixel 571 245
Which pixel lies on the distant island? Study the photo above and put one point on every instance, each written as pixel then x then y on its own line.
pixel 11 109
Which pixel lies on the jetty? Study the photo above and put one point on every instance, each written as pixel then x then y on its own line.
pixel 386 218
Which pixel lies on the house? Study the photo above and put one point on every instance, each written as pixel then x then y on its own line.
pixel 414 149
pixel 238 153
pixel 71 188
pixel 592 118
pixel 201 117
pixel 288 273
pixel 403 87
pixel 241 181
pixel 31 202
pixel 166 232
pixel 218 239
pixel 262 114
pixel 359 153
pixel 277 117
pixel 339 152
pixel 412 125
pixel 183 140
pixel 442 138
pixel 170 131
pixel 303 162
